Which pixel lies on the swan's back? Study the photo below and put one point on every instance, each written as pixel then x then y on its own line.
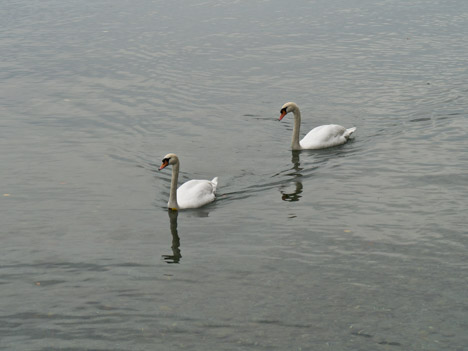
pixel 196 193
pixel 326 136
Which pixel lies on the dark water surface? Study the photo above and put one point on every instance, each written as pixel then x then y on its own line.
pixel 358 247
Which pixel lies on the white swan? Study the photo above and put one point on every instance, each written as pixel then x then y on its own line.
pixel 318 138
pixel 192 194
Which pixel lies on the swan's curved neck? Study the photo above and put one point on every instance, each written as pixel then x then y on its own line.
pixel 297 126
pixel 172 204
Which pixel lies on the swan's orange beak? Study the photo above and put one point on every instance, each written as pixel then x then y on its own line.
pixel 283 113
pixel 164 164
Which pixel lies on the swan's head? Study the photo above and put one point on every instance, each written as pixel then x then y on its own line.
pixel 287 107
pixel 169 159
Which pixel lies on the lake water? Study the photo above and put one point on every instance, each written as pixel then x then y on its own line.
pixel 358 247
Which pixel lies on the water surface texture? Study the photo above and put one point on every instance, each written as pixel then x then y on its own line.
pixel 358 247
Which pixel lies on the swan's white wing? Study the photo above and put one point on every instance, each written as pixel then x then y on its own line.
pixel 196 193
pixel 326 136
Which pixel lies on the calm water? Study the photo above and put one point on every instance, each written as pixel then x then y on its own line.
pixel 359 247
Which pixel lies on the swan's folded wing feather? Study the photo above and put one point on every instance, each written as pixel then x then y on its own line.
pixel 214 182
pixel 196 193
pixel 324 136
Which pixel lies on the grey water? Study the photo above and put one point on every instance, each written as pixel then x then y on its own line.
pixel 357 247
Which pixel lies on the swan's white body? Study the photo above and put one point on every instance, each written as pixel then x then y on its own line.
pixel 192 194
pixel 196 193
pixel 326 136
pixel 318 138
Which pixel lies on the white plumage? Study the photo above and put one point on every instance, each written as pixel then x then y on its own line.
pixel 196 193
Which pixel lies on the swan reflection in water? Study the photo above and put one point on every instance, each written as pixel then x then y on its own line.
pixel 296 174
pixel 176 255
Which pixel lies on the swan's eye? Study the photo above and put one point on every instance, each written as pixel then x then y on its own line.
pixel 166 160
pixel 283 110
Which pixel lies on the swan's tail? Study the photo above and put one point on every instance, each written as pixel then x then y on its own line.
pixel 214 181
pixel 348 132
